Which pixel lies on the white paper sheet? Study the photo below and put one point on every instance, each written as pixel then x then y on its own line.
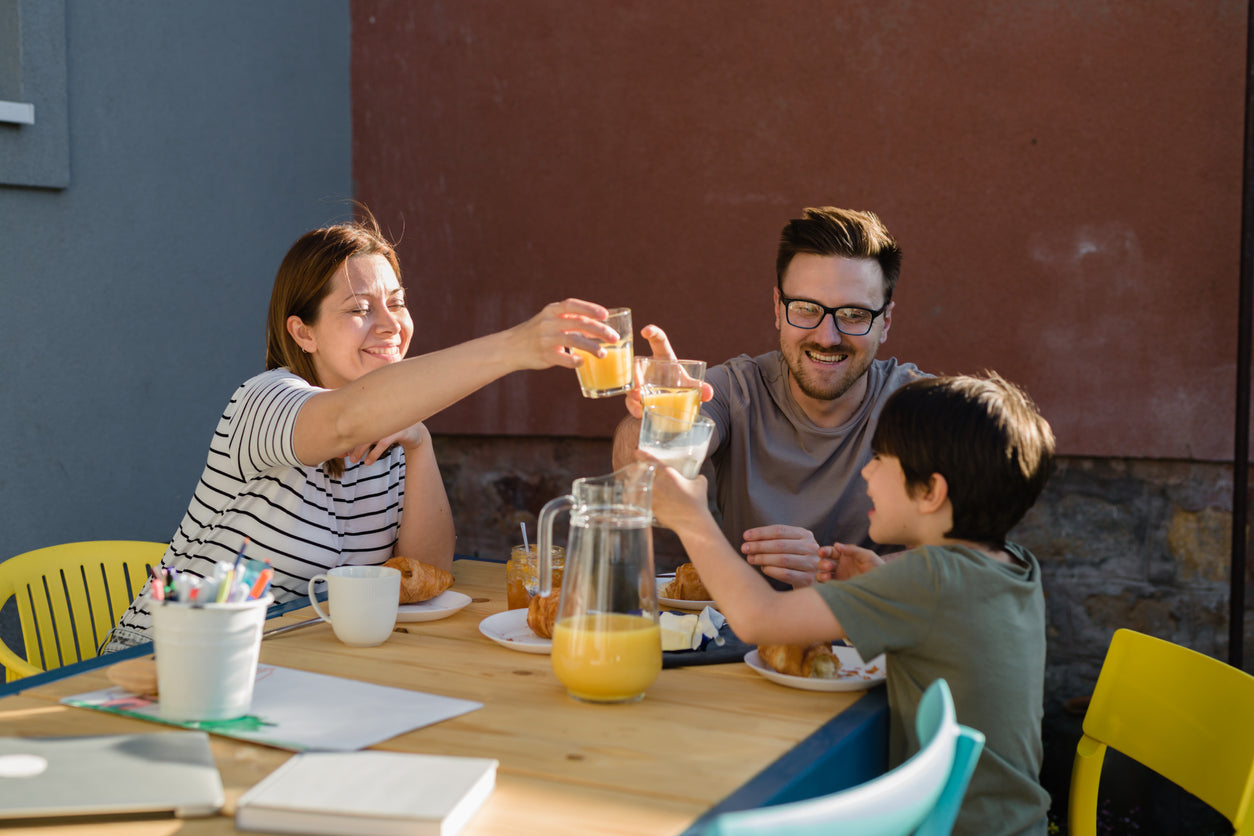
pixel 304 711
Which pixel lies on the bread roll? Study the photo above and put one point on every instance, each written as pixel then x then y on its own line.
pixel 420 581
pixel 687 585
pixel 542 614
pixel 813 660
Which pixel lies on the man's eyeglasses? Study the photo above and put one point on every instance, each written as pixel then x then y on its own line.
pixel 851 321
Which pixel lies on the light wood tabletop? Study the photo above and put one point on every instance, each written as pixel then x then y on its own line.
pixel 566 767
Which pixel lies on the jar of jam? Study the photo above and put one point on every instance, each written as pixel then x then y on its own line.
pixel 522 574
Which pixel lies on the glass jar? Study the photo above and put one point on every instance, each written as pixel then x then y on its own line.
pixel 522 578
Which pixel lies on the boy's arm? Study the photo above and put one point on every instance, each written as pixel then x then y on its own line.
pixel 756 611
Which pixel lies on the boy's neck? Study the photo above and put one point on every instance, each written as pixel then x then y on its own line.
pixel 1000 555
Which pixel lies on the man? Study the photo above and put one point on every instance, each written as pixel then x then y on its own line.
pixel 792 428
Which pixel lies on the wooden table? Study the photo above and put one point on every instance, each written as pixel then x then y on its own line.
pixel 701 736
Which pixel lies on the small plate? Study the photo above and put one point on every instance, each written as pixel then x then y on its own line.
pixel 855 675
pixel 509 629
pixel 678 603
pixel 433 609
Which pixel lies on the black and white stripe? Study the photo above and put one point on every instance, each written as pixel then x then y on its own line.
pixel 300 518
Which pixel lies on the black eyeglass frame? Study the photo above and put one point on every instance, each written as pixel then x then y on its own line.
pixel 786 301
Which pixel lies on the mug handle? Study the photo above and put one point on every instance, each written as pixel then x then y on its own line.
pixel 313 599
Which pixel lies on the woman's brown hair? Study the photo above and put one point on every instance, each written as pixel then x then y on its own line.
pixel 304 280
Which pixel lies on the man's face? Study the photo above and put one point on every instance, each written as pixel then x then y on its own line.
pixel 825 364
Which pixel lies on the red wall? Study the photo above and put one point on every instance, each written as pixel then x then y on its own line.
pixel 1064 177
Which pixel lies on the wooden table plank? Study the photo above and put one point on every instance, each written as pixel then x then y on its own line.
pixel 653 766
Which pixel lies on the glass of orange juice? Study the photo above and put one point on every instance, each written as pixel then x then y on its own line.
pixel 672 387
pixel 602 377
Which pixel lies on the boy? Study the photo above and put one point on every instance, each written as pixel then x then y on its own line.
pixel 957 463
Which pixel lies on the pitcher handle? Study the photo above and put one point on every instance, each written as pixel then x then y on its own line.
pixel 545 531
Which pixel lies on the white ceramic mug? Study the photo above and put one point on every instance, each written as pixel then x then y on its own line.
pixel 362 600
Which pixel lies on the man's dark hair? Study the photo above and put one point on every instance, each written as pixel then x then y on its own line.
pixel 840 232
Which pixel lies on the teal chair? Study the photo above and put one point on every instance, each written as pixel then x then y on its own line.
pixel 920 797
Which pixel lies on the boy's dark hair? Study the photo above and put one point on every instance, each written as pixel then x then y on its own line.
pixel 984 435
pixel 840 232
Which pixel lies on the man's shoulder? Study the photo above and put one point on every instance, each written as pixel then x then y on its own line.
pixel 744 371
pixel 893 374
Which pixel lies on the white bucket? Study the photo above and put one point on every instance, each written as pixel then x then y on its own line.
pixel 207 658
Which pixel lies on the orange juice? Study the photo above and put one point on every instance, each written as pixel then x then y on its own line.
pixel 600 377
pixel 607 657
pixel 680 404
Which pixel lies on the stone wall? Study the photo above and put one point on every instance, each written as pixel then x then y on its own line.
pixel 1122 543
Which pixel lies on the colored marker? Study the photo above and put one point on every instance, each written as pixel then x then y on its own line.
pixel 156 586
pixel 262 583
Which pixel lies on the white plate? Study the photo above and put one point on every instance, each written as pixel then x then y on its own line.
pixel 855 675
pixel 433 609
pixel 677 603
pixel 509 629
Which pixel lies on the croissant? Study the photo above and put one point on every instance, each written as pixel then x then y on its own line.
pixel 420 581
pixel 687 585
pixel 813 660
pixel 542 613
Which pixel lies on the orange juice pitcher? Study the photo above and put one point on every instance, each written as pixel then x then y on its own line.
pixel 606 643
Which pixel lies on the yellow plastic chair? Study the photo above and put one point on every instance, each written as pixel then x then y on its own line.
pixel 1188 717
pixel 69 597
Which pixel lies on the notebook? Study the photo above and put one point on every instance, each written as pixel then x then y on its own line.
pixel 369 793
pixel 158 773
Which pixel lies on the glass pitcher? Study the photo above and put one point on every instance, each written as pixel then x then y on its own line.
pixel 606 643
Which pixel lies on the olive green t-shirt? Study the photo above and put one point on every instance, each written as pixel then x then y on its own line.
pixel 953 612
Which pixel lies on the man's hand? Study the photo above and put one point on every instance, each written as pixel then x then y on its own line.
pixel 660 345
pixel 850 561
pixel 787 553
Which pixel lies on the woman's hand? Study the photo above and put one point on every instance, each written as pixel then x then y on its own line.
pixel 410 438
pixel 545 339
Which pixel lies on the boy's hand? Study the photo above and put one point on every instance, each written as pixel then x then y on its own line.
pixel 850 561
pixel 677 502
pixel 787 553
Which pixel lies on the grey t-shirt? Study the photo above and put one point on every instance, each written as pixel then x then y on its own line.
pixel 956 613
pixel 770 464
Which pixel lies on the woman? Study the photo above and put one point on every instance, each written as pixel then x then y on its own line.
pixel 323 459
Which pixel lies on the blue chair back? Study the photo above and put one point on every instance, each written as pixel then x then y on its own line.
pixel 925 791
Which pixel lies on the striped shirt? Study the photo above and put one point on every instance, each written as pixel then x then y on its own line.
pixel 300 518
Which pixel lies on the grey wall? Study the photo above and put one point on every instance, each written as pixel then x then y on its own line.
pixel 204 137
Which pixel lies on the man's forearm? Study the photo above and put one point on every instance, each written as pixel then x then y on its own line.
pixel 626 440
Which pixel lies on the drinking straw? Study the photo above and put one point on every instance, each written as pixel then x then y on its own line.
pixel 526 545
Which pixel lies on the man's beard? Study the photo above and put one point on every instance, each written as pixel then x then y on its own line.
pixel 827 389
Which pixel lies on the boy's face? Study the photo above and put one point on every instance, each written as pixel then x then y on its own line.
pixel 893 515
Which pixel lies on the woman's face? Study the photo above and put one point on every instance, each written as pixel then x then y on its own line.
pixel 362 323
